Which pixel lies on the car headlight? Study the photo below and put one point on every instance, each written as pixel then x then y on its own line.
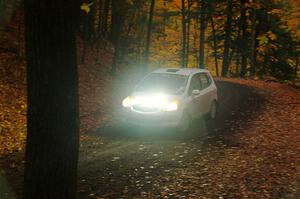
pixel 171 106
pixel 127 102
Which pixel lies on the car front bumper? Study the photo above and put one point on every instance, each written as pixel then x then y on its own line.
pixel 160 119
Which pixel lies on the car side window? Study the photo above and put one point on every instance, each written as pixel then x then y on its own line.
pixel 205 80
pixel 195 84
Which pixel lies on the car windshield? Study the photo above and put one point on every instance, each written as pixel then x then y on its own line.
pixel 160 82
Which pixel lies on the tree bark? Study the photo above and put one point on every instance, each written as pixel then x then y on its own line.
pixel 104 21
pixel 225 63
pixel 202 36
pixel 7 8
pixel 118 17
pixel 188 32
pixel 183 23
pixel 215 45
pixel 296 68
pixel 243 45
pixel 148 40
pixel 253 44
pixel 53 114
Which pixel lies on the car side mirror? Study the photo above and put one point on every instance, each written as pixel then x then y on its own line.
pixel 195 92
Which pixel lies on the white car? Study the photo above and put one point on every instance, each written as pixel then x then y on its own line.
pixel 171 97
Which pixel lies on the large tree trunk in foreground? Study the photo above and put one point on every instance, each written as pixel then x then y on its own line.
pixel 53 115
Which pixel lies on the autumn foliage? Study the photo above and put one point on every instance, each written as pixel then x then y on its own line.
pixel 255 154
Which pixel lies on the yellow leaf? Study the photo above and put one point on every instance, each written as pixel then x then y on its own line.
pixel 86 7
pixel 272 36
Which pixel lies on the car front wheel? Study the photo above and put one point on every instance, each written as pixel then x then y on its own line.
pixel 213 110
pixel 185 122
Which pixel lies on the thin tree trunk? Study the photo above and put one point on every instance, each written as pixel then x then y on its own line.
pixel 253 44
pixel 115 59
pixel 104 25
pixel 188 32
pixel 53 115
pixel 2 13
pixel 215 45
pixel 296 68
pixel 20 32
pixel 118 17
pixel 244 44
pixel 266 64
pixel 195 46
pixel 227 39
pixel 202 36
pixel 85 37
pixel 237 63
pixel 231 55
pixel 183 52
pixel 100 16
pixel 148 40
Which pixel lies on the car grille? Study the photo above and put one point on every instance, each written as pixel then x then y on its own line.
pixel 145 109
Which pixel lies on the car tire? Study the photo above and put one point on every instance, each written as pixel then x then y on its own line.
pixel 185 122
pixel 213 111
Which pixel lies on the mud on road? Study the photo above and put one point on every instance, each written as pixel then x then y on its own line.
pixel 116 163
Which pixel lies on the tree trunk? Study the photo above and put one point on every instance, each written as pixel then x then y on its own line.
pixel 237 64
pixel 266 63
pixel 253 44
pixel 100 15
pixel 243 45
pixel 215 45
pixel 104 24
pixel 183 22
pixel 296 68
pixel 53 114
pixel 202 36
pixel 188 32
pixel 231 55
pixel 227 39
pixel 20 30
pixel 148 40
pixel 2 13
pixel 7 8
pixel 118 17
pixel 85 38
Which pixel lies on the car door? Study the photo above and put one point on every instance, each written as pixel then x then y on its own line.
pixel 206 91
pixel 194 106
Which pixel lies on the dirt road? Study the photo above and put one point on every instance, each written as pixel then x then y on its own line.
pixel 117 164
pixel 250 151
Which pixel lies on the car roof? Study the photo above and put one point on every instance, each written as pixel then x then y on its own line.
pixel 180 71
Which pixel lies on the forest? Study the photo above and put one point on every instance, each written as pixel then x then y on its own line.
pixel 231 38
pixel 65 67
pixel 258 39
